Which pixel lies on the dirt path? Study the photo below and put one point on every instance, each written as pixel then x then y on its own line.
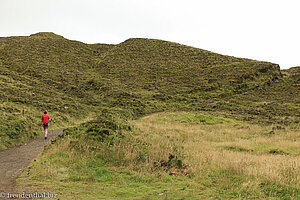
pixel 14 160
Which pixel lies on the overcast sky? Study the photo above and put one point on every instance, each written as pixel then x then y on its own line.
pixel 266 30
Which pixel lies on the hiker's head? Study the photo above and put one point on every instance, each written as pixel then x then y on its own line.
pixel 45 112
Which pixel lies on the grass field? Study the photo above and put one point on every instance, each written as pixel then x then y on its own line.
pixel 174 156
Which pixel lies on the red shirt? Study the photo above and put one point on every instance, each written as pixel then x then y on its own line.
pixel 45 118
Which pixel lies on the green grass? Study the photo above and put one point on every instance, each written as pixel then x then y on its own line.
pixel 199 118
pixel 98 88
pixel 73 79
pixel 132 161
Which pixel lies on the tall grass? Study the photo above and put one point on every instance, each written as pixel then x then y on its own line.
pixel 226 150
pixel 227 161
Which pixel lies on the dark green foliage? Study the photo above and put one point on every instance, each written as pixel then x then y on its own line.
pixel 173 162
pixel 278 151
pixel 237 148
pixel 104 129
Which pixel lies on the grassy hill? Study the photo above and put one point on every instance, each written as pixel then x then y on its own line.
pixel 97 90
pixel 72 79
pixel 166 66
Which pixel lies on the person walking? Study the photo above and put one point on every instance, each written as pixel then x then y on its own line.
pixel 45 122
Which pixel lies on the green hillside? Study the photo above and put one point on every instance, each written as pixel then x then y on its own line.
pixel 150 119
pixel 141 76
pixel 40 72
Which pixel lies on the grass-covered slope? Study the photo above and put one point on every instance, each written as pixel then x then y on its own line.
pixel 139 76
pixel 170 67
pixel 48 66
pixel 43 71
pixel 164 156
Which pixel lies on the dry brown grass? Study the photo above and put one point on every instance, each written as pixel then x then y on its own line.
pixel 220 161
pixel 250 150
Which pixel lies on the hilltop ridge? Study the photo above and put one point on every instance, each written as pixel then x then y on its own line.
pixel 46 35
